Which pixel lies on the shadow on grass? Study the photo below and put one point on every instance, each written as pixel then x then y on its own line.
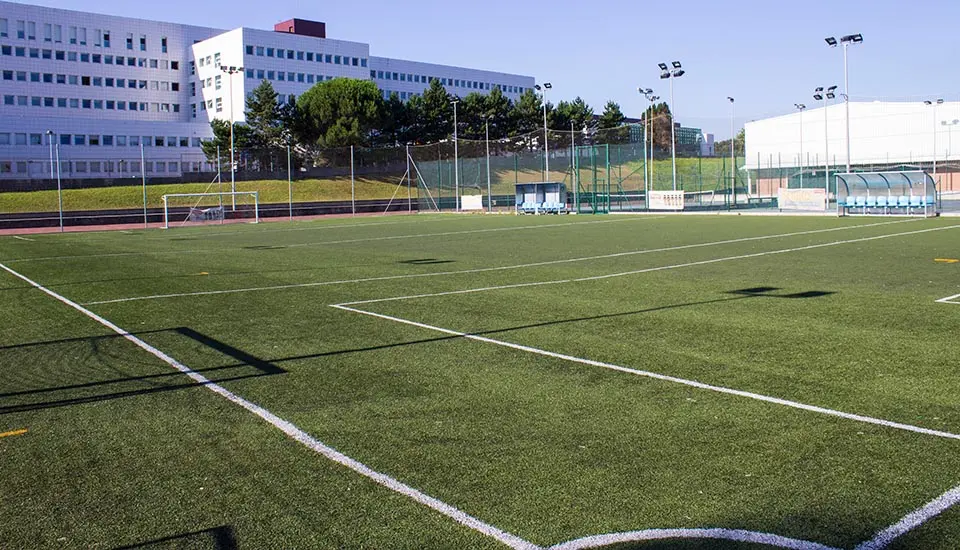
pixel 217 538
pixel 156 381
pixel 744 294
pixel 426 261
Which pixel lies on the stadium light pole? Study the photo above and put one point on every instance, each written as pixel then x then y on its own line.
pixel 50 135
pixel 486 120
pixel 672 73
pixel 800 107
pixel 733 143
pixel 646 93
pixel 546 146
pixel 934 104
pixel 846 41
pixel 652 99
pixel 231 70
pixel 456 160
pixel 820 95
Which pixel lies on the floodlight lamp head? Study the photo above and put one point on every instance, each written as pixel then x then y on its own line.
pixel 940 101
pixel 818 97
pixel 547 85
pixel 678 73
pixel 663 66
pixel 730 99
pixel 818 89
pixel 831 95
pixel 854 38
pixel 676 64
pixel 831 41
pixel 655 98
pixel 537 86
pixel 665 75
pixel 927 102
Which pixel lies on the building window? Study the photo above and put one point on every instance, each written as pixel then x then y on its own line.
pixel 309 55
pixel 65 139
pixel 143 42
pixel 163 44
pixel 79 139
pixel 174 65
pixel 48 32
pixel 21 29
pixel 269 52
pixel 106 39
pixel 328 58
pixel 249 49
pixel 216 82
pixel 31 30
pixel 129 40
pixel 260 51
pixel 4 28
pixel 219 104
pixel 336 60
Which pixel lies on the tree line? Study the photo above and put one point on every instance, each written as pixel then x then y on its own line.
pixel 349 112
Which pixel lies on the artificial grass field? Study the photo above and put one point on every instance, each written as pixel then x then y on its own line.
pixel 524 423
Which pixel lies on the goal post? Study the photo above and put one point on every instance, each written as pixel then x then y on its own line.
pixel 207 208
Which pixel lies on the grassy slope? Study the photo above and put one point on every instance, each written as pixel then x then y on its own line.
pixel 547 449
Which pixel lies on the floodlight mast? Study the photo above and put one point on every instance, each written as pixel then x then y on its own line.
pixel 820 95
pixel 671 74
pixel 846 41
pixel 934 104
pixel 456 159
pixel 231 70
pixel 733 158
pixel 646 92
pixel 546 146
pixel 800 107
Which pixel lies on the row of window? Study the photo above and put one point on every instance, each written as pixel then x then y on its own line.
pixel 7 138
pixel 281 76
pixel 452 82
pixel 83 57
pixel 280 53
pixel 42 169
pixel 98 104
pixel 96 81
pixel 402 95
pixel 52 32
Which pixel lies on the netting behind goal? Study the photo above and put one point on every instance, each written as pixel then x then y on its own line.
pixel 184 209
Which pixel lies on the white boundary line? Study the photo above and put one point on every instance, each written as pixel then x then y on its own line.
pixel 663 377
pixel 24 238
pixel 913 520
pixel 325 243
pixel 650 269
pixel 483 269
pixel 296 433
pixel 735 535
pixel 949 300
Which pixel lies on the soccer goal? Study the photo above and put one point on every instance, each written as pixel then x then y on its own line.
pixel 210 208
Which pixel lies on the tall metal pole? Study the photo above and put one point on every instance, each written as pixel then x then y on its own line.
pixel 826 154
pixel 733 144
pixel 143 181
pixel 846 99
pixel 546 139
pixel 233 179
pixel 353 187
pixel 409 177
pixel 800 107
pixel 673 134
pixel 289 183
pixel 489 195
pixel 573 164
pixel 59 187
pixel 456 162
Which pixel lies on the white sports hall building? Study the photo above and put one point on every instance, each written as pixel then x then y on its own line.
pixel 100 86
pixel 884 136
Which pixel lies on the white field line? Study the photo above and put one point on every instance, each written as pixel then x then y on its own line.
pixel 949 299
pixel 324 243
pixel 296 433
pixel 649 269
pixel 663 377
pixel 24 238
pixel 913 520
pixel 485 269
pixel 736 535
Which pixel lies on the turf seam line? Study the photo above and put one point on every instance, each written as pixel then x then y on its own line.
pixel 647 270
pixel 735 535
pixel 324 243
pixel 478 270
pixel 296 433
pixel 663 377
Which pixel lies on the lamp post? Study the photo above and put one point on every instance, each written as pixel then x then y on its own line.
pixel 846 41
pixel 486 120
pixel 672 73
pixel 456 160
pixel 820 95
pixel 50 135
pixel 230 71
pixel 800 107
pixel 652 99
pixel 546 146
pixel 934 104
pixel 733 158
pixel 646 92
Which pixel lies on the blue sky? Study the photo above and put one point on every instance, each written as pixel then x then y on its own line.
pixel 767 54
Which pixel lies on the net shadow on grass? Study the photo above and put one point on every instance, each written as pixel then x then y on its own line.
pixel 97 347
pixel 216 538
pixel 745 294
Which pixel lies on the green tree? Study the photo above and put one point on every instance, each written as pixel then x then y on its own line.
pixel 472 116
pixel 263 114
pixel 527 113
pixel 221 141
pixel 340 112
pixel 436 116
pixel 722 148
pixel 612 116
pixel 498 109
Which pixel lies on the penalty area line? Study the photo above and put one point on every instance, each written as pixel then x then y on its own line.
pixel 296 433
pixel 663 377
pixel 949 300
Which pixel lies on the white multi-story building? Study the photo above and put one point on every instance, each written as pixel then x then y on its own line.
pixel 94 88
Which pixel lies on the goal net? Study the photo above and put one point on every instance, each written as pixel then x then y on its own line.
pixel 181 209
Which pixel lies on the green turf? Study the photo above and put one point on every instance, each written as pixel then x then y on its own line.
pixel 124 450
